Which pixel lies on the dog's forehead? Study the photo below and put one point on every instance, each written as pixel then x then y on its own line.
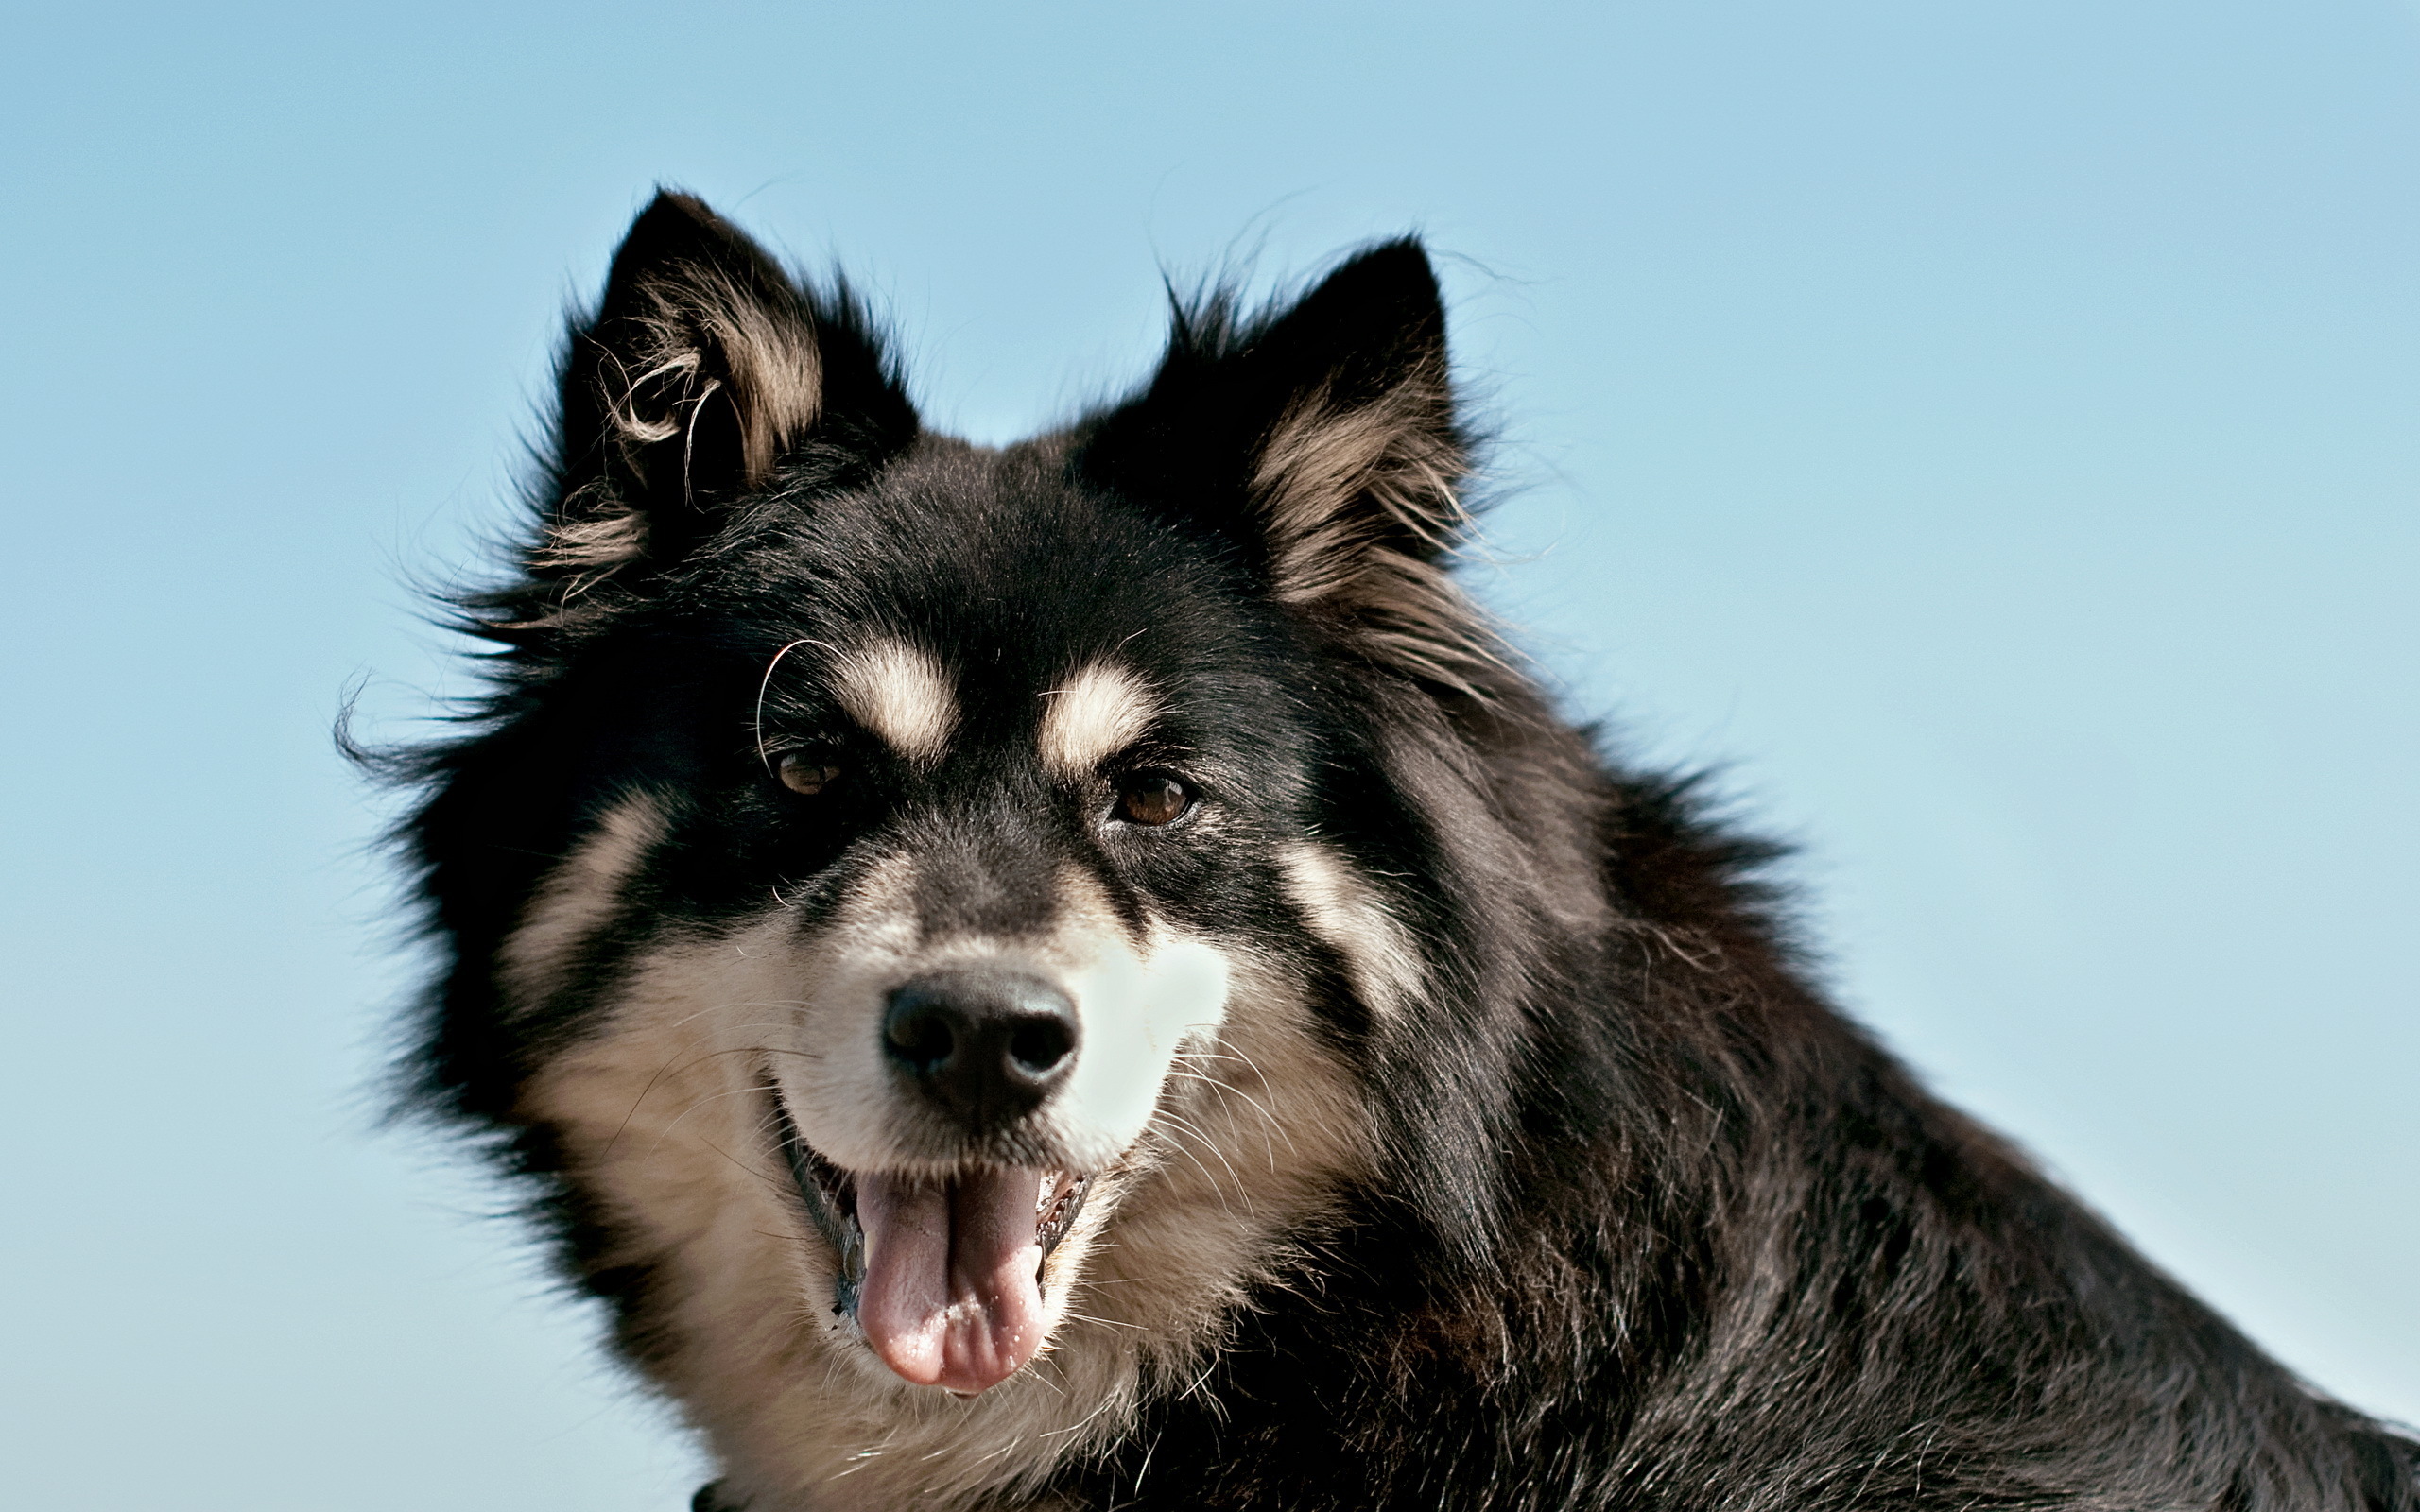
pixel 973 597
pixel 925 698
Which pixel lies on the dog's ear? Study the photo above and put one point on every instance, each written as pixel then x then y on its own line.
pixel 704 369
pixel 1321 436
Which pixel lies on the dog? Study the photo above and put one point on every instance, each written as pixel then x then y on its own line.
pixel 1087 975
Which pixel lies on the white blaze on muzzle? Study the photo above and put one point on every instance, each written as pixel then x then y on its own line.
pixel 1137 1009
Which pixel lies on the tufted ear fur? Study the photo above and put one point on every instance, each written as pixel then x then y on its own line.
pixel 1322 438
pixel 704 370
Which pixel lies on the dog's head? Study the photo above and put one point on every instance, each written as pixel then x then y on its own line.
pixel 900 886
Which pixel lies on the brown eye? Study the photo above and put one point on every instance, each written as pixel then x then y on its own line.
pixel 1153 799
pixel 802 773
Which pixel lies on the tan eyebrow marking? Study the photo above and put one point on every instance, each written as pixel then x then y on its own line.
pixel 901 694
pixel 1097 714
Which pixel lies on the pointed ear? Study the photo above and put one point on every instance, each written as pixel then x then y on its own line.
pixel 1322 437
pixel 704 369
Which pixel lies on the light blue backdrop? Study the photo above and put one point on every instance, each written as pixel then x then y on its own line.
pixel 1989 427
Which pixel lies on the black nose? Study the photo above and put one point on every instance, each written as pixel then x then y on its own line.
pixel 986 1046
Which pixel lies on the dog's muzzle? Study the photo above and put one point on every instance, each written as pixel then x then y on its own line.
pixel 942 1270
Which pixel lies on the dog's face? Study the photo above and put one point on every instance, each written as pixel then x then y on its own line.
pixel 928 908
pixel 951 851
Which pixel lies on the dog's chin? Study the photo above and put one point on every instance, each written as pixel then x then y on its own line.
pixel 944 1274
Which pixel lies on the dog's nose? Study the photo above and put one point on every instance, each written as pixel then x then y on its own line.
pixel 987 1046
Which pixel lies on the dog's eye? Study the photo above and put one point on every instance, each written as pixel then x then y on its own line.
pixel 805 772
pixel 1153 799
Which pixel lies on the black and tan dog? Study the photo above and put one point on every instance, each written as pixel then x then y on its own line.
pixel 1083 975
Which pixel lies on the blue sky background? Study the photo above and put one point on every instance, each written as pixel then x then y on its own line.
pixel 1988 427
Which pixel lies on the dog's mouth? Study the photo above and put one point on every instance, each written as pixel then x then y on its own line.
pixel 943 1275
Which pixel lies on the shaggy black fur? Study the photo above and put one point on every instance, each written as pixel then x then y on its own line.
pixel 1655 1228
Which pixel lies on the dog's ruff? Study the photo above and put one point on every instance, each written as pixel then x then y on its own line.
pixel 1086 975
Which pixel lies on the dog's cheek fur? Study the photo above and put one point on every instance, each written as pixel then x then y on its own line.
pixel 578 900
pixel 1346 912
pixel 1456 872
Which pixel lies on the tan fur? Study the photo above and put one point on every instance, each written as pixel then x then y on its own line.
pixel 1092 715
pixel 662 1112
pixel 900 692
pixel 591 545
pixel 697 321
pixel 580 896
pixel 1346 912
pixel 1329 480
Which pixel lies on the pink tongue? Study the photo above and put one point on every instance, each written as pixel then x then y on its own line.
pixel 951 1296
